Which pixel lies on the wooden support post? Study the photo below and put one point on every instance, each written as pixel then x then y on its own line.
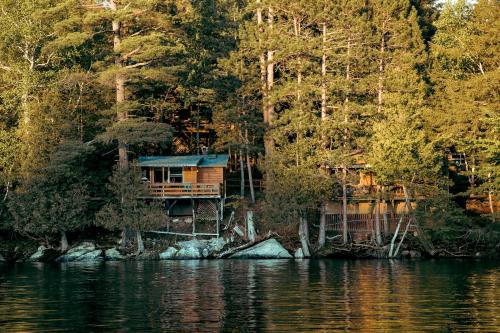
pixel 222 209
pixel 217 218
pixel 194 216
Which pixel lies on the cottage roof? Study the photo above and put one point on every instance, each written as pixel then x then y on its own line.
pixel 201 161
pixel 219 160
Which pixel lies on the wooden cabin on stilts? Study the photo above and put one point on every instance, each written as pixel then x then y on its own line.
pixel 192 188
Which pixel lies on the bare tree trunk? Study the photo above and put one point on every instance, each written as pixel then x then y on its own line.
pixel 250 176
pixel 344 206
pixel 490 201
pixel 322 227
pixel 304 236
pixel 322 219
pixel 386 207
pixel 140 243
pixel 262 63
pixel 381 70
pixel 119 84
pixel 323 83
pixel 378 237
pixel 271 115
pixel 124 238
pixel 393 240
pixel 242 175
pixel 250 226
pixel 402 239
pixel 64 241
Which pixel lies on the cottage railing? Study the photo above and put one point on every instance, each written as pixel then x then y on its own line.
pixel 366 222
pixel 184 190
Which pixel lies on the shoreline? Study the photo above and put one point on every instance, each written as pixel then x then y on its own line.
pixel 213 249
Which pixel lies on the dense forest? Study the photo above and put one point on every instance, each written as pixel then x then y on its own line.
pixel 298 92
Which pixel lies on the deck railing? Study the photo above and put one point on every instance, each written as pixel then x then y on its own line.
pixel 366 222
pixel 184 190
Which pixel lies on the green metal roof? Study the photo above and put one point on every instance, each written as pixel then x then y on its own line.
pixel 219 160
pixel 201 161
pixel 169 161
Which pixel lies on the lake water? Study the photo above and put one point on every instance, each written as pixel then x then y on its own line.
pixel 252 296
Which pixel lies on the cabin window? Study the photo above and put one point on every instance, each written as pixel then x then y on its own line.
pixel 175 175
pixel 158 175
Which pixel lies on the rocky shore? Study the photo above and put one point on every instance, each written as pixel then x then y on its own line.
pixel 214 248
pixel 190 249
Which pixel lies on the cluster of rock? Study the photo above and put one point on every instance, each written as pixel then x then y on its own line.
pixel 192 249
pixel 85 252
pixel 200 249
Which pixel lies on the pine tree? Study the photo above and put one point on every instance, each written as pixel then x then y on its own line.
pixel 127 209
pixel 141 43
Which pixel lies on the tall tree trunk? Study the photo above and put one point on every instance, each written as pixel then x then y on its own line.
pixel 140 243
pixel 322 219
pixel 345 144
pixel 250 227
pixel 64 241
pixel 242 175
pixel 249 170
pixel 120 81
pixel 381 70
pixel 322 227
pixel 393 240
pixel 490 201
pixel 384 213
pixel 323 81
pixel 271 115
pixel 262 64
pixel 344 206
pixel 378 237
pixel 120 96
pixel 304 236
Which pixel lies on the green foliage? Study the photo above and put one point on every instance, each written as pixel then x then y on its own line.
pixel 293 190
pixel 136 131
pixel 127 207
pixel 56 198
pixel 402 155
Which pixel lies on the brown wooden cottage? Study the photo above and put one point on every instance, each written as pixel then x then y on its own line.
pixel 192 185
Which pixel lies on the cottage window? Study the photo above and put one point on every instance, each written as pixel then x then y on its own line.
pixel 175 175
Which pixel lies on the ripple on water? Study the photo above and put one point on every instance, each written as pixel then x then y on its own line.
pixel 248 296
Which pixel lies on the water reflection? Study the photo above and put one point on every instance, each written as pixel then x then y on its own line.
pixel 250 296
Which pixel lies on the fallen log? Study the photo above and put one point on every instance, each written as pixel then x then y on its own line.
pixel 233 250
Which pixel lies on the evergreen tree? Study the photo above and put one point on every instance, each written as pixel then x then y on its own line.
pixel 127 208
pixel 465 74
pixel 56 199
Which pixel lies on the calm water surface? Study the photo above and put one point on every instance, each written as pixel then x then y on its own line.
pixel 252 296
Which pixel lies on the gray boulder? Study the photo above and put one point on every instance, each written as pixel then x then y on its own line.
pixel 188 253
pixel 113 255
pixel 268 249
pixel 168 253
pixel 299 254
pixel 83 252
pixel 2 258
pixel 194 249
pixel 43 254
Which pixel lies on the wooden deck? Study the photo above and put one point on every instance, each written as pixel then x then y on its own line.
pixel 185 190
